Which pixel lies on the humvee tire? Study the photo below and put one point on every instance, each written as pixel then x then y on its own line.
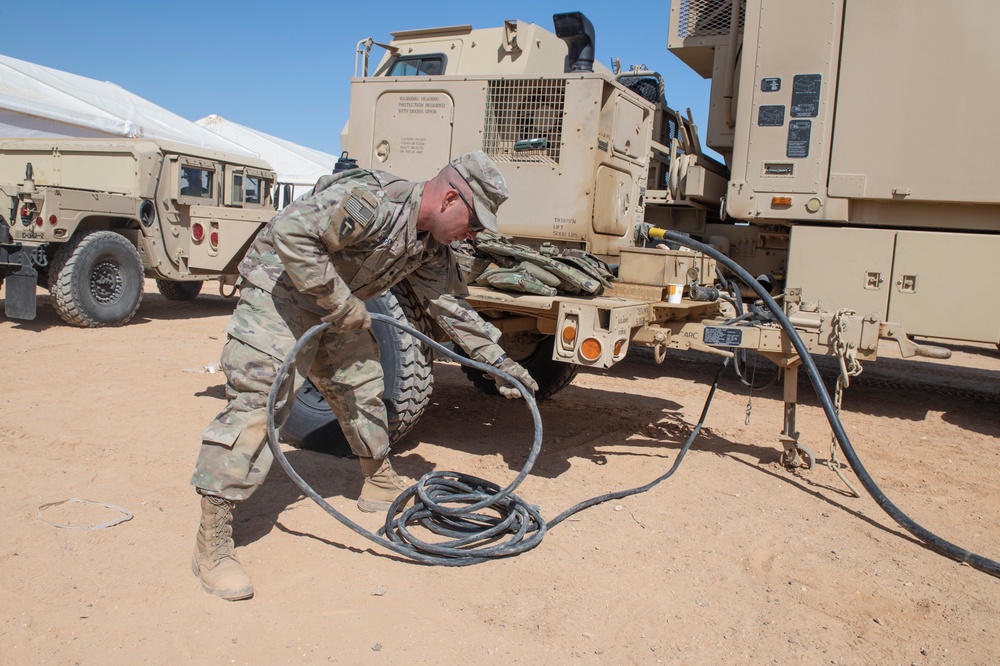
pixel 96 279
pixel 406 364
pixel 536 357
pixel 179 291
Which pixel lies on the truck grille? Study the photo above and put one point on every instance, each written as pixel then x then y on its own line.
pixel 524 120
pixel 706 18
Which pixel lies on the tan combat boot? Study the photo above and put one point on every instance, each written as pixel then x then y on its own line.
pixel 214 560
pixel 382 485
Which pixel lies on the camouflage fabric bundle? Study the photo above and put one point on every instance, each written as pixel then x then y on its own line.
pixel 545 271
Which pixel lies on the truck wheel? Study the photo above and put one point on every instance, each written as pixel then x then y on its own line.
pixel 406 364
pixel 179 291
pixel 96 280
pixel 534 353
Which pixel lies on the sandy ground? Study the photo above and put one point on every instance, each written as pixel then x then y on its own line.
pixel 733 560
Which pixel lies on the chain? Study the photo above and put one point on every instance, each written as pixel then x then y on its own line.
pixel 849 367
pixel 753 375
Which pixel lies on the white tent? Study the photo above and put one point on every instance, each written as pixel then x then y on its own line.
pixel 38 101
pixel 296 165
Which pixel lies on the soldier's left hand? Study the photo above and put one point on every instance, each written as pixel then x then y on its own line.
pixel 506 388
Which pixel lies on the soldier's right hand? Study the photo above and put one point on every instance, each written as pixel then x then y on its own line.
pixel 351 316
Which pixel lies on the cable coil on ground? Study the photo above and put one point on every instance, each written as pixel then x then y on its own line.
pixel 473 515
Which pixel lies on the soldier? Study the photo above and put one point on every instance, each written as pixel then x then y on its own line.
pixel 354 236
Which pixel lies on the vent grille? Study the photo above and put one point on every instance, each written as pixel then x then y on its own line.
pixel 706 18
pixel 524 120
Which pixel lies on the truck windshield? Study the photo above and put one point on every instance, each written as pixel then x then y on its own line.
pixel 422 65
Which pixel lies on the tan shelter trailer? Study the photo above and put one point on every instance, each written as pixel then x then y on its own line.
pixel 859 143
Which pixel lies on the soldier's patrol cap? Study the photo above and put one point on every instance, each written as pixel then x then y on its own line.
pixel 488 186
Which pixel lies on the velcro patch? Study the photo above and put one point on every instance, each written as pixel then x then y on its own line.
pixel 359 212
pixel 352 218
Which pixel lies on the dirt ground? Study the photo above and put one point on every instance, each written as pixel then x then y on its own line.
pixel 733 560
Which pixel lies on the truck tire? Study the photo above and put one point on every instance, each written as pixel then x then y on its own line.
pixel 96 280
pixel 407 366
pixel 536 358
pixel 179 291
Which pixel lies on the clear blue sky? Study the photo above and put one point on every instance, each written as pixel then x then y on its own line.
pixel 297 57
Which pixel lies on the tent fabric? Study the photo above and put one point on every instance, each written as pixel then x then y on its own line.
pixel 37 101
pixel 294 164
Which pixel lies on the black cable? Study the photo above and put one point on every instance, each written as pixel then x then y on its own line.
pixel 749 315
pixel 472 511
pixel 641 489
pixel 932 540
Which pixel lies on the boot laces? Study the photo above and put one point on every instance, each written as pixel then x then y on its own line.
pixel 222 533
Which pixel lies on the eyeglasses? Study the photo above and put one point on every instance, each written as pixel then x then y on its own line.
pixel 474 223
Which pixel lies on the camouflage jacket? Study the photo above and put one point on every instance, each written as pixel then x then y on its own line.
pixel 355 233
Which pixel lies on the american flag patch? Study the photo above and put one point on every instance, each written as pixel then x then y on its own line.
pixel 359 211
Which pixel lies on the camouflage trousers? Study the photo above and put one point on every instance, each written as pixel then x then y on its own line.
pixel 234 457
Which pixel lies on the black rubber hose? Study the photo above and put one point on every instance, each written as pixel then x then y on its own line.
pixel 932 540
pixel 470 510
pixel 641 489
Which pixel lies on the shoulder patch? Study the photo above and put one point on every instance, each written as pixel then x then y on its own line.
pixel 352 217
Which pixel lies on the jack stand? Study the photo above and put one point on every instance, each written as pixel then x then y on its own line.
pixel 793 454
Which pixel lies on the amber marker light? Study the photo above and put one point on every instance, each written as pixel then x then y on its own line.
pixel 590 349
pixel 781 201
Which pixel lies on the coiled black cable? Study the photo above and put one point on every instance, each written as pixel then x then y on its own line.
pixel 470 511
pixel 932 540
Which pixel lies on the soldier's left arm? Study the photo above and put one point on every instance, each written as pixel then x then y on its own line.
pixel 440 289
pixel 313 228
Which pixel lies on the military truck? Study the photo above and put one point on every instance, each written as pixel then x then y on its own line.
pixel 88 219
pixel 825 117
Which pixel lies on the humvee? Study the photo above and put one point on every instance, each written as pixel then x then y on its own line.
pixel 88 219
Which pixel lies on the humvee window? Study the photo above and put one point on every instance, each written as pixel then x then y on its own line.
pixel 252 190
pixel 237 188
pixel 423 65
pixel 196 182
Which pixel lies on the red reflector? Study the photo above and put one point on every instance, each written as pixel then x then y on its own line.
pixel 197 232
pixel 39 221
pixel 214 239
pixel 53 219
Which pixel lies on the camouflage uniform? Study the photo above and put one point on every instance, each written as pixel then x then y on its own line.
pixel 355 233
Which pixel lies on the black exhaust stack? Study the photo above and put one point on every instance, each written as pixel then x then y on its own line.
pixel 578 32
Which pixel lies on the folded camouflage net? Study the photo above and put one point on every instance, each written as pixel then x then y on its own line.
pixel 545 271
